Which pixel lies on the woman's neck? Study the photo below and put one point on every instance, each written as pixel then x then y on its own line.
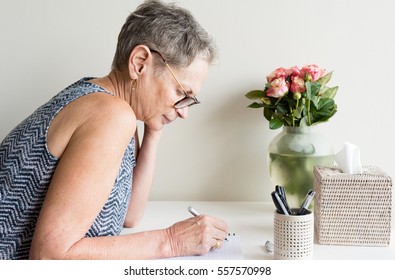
pixel 117 83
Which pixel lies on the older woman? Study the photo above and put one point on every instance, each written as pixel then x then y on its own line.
pixel 73 173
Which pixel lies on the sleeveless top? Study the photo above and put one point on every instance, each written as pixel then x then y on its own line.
pixel 26 169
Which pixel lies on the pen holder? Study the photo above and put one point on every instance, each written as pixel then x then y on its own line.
pixel 293 236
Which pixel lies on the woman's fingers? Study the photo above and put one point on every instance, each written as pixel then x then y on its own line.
pixel 214 226
pixel 197 235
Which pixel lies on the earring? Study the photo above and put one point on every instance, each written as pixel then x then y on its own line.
pixel 133 84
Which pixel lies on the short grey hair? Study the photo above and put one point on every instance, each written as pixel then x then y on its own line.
pixel 164 27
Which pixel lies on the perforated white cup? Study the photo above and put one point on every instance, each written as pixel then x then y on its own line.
pixel 293 236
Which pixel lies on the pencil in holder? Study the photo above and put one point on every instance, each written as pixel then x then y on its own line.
pixel 293 236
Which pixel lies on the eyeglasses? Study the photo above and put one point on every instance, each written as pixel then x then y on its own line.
pixel 188 100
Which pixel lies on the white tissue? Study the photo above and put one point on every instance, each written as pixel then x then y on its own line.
pixel 349 159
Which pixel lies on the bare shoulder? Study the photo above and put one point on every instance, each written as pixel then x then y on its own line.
pixel 93 115
pixel 106 116
pixel 107 109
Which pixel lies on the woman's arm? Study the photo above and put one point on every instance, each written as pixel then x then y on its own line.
pixel 82 183
pixel 195 236
pixel 143 175
pixel 97 129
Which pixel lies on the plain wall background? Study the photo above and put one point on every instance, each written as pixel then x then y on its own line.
pixel 219 152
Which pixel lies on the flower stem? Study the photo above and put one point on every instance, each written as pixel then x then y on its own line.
pixel 308 111
pixel 292 115
pixel 296 108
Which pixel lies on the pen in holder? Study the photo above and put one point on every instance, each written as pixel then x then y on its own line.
pixel 293 236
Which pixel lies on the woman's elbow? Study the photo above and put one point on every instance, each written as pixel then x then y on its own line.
pixel 47 251
pixel 132 222
pixel 44 255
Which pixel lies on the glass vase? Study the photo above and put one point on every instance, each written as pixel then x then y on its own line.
pixel 292 155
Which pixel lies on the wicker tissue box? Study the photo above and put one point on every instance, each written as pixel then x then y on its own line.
pixel 352 209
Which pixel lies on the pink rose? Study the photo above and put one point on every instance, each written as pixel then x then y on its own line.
pixel 312 72
pixel 278 88
pixel 294 71
pixel 278 73
pixel 297 84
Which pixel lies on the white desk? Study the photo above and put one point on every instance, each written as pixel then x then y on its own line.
pixel 253 221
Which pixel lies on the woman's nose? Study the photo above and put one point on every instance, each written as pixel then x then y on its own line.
pixel 182 112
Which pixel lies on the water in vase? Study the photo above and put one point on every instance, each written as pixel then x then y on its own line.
pixel 295 173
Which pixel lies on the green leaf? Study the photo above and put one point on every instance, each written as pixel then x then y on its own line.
pixel 298 112
pixel 255 94
pixel 329 92
pixel 283 108
pixel 287 120
pixel 315 100
pixel 266 101
pixel 328 110
pixel 321 119
pixel 324 79
pixel 315 88
pixel 255 105
pixel 325 104
pixel 268 113
pixel 308 90
pixel 275 123
pixel 303 122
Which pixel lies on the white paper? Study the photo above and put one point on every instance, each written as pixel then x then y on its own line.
pixel 349 159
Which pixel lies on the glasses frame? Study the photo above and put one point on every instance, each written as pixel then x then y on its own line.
pixel 187 100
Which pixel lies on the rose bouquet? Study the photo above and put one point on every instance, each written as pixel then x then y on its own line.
pixel 296 97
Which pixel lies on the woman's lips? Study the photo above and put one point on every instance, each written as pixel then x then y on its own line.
pixel 167 120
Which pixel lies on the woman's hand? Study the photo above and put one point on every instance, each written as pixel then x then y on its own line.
pixel 196 235
pixel 151 133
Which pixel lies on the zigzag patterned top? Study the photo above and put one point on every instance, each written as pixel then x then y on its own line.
pixel 26 169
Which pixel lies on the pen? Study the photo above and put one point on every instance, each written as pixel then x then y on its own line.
pixel 196 213
pixel 278 202
pixel 193 211
pixel 306 203
pixel 281 192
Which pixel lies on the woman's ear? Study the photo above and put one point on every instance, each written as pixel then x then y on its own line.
pixel 138 60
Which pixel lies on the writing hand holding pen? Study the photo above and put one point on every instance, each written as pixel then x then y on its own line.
pixel 219 235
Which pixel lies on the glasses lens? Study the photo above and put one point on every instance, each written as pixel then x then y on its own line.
pixel 186 102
